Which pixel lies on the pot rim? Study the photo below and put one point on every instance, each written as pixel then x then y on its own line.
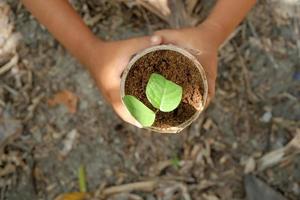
pixel 184 52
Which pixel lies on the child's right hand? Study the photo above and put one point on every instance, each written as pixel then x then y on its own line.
pixel 107 60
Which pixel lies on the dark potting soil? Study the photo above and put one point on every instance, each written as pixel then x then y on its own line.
pixel 175 67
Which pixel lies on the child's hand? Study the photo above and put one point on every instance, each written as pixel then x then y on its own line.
pixel 106 62
pixel 202 40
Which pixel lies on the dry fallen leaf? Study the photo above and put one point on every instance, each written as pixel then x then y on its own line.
pixel 68 142
pixel 66 98
pixel 72 196
pixel 283 154
pixel 250 165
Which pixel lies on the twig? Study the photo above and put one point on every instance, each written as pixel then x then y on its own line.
pixel 207 153
pixel 297 31
pixel 171 11
pixel 195 129
pixel 251 95
pixel 178 17
pixel 185 179
pixel 185 192
pixel 127 196
pixel 68 142
pixel 190 6
pixel 140 186
pixel 9 140
pixel 150 29
pixel 153 9
pixel 9 65
pixel 10 90
pixel 8 169
pixel 169 188
pixel 283 154
pixel 91 21
pixel 254 33
pixel 33 106
pixel 160 166
pixel 285 122
pixel 203 185
pixel 2 103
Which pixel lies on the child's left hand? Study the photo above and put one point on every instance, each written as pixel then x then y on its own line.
pixel 201 39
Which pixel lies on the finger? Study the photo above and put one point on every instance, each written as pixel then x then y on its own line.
pixel 169 36
pixel 211 92
pixel 211 77
pixel 134 45
pixel 138 44
pixel 155 40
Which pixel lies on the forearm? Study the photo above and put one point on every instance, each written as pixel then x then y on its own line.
pixel 226 16
pixel 65 24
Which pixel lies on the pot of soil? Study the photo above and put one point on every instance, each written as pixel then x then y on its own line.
pixel 164 88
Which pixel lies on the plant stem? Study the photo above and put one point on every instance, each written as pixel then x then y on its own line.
pixel 82 179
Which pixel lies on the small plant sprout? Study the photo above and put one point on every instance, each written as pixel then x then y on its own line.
pixel 175 161
pixel 163 94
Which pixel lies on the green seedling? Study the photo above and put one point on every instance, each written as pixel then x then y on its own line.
pixel 163 94
pixel 175 161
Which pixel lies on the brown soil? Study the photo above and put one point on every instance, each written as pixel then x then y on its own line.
pixel 175 67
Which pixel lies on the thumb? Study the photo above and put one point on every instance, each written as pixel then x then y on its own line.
pixel 138 44
pixel 169 36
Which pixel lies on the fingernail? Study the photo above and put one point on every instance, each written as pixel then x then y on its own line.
pixel 155 40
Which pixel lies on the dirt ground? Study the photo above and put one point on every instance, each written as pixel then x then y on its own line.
pixel 256 111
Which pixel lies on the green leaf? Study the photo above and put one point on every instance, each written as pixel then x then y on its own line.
pixel 81 179
pixel 175 162
pixel 162 93
pixel 139 111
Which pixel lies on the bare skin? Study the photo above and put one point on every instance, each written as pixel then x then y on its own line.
pixel 106 60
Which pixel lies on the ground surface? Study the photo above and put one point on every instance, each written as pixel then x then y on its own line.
pixel 256 110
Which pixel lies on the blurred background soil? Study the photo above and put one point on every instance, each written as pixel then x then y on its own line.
pixel 53 119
